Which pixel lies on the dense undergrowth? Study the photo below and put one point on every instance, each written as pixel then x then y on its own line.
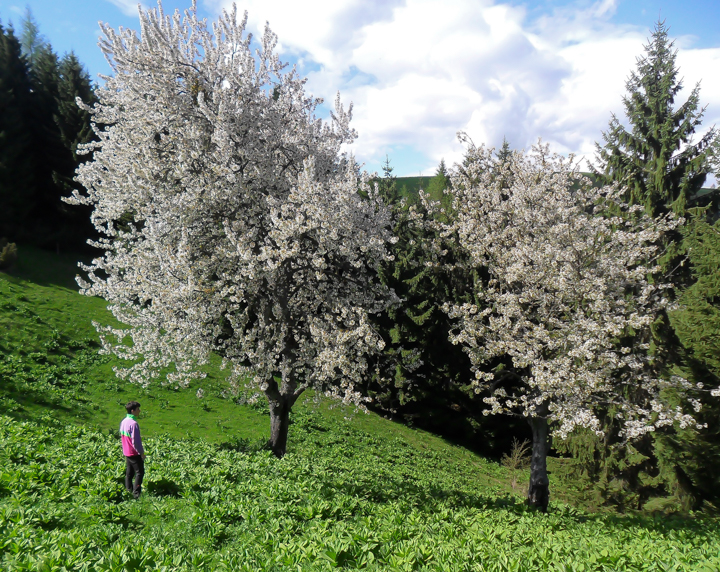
pixel 346 499
pixel 359 492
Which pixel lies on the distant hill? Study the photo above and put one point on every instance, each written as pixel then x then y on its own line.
pixel 409 187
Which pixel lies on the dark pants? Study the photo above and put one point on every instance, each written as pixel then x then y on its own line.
pixel 134 467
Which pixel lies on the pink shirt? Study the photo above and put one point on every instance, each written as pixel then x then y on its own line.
pixel 130 436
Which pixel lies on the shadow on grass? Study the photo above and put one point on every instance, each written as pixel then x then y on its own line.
pixel 48 268
pixel 243 445
pixel 433 498
pixel 42 405
pixel 163 488
pixel 426 498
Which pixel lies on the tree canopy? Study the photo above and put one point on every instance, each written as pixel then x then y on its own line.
pixel 230 220
pixel 563 308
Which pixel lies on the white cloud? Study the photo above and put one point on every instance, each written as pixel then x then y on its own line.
pixel 128 7
pixel 418 71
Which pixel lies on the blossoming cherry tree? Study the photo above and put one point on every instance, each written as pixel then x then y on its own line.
pixel 231 222
pixel 564 288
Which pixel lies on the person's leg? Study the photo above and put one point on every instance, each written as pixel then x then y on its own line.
pixel 139 474
pixel 129 474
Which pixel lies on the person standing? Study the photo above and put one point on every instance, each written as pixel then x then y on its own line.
pixel 132 449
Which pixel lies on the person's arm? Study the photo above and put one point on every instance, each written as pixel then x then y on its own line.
pixel 137 441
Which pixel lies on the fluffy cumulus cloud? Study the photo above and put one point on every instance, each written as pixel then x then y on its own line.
pixel 418 71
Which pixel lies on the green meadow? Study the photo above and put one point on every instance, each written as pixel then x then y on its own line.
pixel 355 491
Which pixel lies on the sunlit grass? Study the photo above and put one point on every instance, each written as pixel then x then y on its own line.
pixel 355 490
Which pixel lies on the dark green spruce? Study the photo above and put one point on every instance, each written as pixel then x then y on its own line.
pixel 73 126
pixel 438 184
pixel 656 158
pixel 664 170
pixel 421 377
pixel 419 373
pixel 17 184
pixel 40 128
pixel 696 454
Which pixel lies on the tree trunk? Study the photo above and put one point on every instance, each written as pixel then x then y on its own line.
pixel 279 424
pixel 538 492
pixel 282 397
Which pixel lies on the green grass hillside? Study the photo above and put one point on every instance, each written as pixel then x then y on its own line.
pixel 345 498
pixel 355 491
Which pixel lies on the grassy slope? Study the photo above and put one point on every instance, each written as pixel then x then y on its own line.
pixel 51 368
pixel 345 498
pixel 357 492
pixel 54 367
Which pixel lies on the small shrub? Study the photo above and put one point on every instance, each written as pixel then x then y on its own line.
pixel 517 460
pixel 8 253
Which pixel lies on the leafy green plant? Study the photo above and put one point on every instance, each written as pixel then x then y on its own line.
pixel 345 498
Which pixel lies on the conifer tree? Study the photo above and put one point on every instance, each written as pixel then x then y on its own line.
pixel 56 125
pixel 438 184
pixel 421 377
pixel 656 157
pixel 73 125
pixel 700 303
pixel 40 128
pixel 16 169
pixel 505 153
pixel 387 185
pixel 695 457
pixel 47 151
pixel 32 41
pixel 663 170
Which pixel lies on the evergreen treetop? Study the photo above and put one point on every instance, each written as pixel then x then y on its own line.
pixel 72 121
pixel 388 183
pixel 31 40
pixel 655 157
pixel 40 128
pixel 439 183
pixel 503 156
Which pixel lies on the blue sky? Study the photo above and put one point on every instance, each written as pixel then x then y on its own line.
pixel 418 71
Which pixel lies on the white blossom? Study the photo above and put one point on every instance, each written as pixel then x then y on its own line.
pixel 568 270
pixel 230 220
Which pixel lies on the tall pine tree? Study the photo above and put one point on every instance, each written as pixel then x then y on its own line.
pixel 503 156
pixel 656 157
pixel 387 185
pixel 17 192
pixel 695 456
pixel 73 125
pixel 663 169
pixel 419 371
pixel 439 183
pixel 40 128
pixel 421 377
pixel 46 220
pixel 31 40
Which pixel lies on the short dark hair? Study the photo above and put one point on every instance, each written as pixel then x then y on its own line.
pixel 132 406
